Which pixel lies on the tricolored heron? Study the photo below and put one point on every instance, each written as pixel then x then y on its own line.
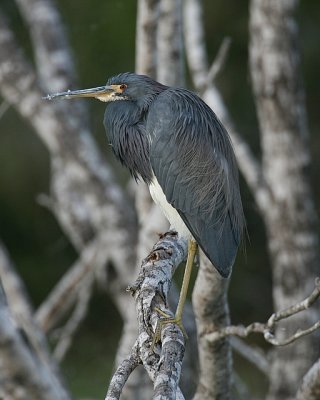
pixel 172 140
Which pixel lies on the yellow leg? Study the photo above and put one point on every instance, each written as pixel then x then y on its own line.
pixel 192 249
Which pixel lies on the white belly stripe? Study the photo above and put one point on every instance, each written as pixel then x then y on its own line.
pixel 170 212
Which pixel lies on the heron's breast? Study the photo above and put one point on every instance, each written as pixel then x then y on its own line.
pixel 170 212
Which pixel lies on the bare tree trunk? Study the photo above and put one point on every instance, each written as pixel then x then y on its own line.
pixel 170 66
pixel 291 218
pixel 146 36
pixel 211 311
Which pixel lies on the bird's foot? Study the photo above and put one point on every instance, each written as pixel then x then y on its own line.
pixel 167 319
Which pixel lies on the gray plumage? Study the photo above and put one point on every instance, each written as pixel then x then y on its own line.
pixel 170 133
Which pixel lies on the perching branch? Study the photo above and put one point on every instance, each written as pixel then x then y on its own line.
pixel 150 291
pixel 268 328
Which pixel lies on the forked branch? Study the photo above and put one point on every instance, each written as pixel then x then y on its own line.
pixel 268 328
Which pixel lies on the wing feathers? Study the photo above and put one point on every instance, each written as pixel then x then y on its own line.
pixel 193 161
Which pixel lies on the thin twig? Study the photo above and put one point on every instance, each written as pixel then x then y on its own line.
pixel 268 328
pixel 65 292
pixel 220 60
pixel 67 332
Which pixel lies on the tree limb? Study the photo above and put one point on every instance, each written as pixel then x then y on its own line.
pixel 209 299
pixel 122 374
pixel 268 328
pixel 150 291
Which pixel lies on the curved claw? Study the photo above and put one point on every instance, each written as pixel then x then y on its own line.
pixel 167 319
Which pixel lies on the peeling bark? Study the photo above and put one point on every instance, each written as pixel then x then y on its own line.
pixel 291 221
pixel 150 291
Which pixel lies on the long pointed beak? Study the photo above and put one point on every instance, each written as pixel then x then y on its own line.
pixel 101 91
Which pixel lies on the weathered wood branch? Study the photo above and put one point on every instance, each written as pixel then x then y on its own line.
pixel 211 309
pixel 268 328
pixel 122 373
pixel 150 290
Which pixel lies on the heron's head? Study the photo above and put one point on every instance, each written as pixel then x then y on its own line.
pixel 125 86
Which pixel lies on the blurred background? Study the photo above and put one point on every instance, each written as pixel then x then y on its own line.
pixel 102 36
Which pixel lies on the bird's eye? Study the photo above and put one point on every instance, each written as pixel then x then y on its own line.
pixel 123 86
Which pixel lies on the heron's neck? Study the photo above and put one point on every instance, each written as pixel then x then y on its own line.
pixel 124 122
